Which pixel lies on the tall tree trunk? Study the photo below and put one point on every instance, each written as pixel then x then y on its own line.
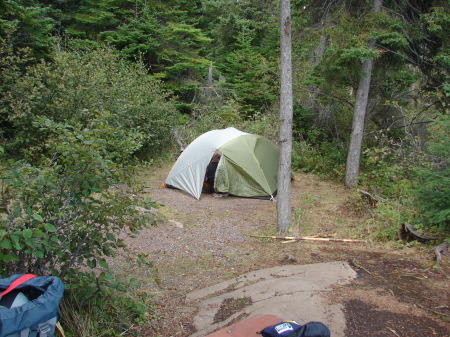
pixel 285 137
pixel 210 75
pixel 362 96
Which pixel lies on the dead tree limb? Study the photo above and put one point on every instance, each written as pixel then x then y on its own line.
pixel 408 233
pixel 178 140
pixel 297 238
pixel 393 331
pixel 373 199
pixel 440 250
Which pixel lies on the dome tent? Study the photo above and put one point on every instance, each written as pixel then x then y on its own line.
pixel 248 166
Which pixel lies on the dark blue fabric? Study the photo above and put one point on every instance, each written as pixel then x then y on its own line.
pixel 292 329
pixel 282 329
pixel 44 292
pixel 312 329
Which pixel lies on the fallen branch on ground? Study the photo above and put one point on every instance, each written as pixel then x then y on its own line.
pixel 408 233
pixel 433 311
pixel 297 238
pixel 372 197
pixel 393 331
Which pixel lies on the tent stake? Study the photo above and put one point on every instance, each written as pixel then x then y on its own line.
pixel 296 238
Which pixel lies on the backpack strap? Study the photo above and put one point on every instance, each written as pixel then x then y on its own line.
pixel 17 282
pixel 33 332
pixel 25 333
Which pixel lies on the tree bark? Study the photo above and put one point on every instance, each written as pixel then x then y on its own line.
pixel 210 75
pixel 285 137
pixel 359 115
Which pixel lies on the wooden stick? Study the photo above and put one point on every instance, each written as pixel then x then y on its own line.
pixel 393 331
pixel 296 238
pixel 373 197
pixel 60 329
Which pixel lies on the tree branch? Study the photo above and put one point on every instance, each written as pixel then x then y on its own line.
pixel 296 238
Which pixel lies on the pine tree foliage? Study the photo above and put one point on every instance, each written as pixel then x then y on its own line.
pixel 245 49
pixel 27 24
pixel 433 190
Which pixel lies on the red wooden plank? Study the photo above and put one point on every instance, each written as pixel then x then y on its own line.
pixel 248 327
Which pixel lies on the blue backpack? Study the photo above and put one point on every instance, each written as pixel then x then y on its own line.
pixel 293 329
pixel 29 305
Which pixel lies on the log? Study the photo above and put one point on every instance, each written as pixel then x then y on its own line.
pixel 408 233
pixel 297 238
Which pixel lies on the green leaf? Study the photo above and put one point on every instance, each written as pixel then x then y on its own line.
pixel 92 263
pixel 37 217
pixel 9 258
pixel 6 244
pixel 49 227
pixel 27 233
pixel 103 263
pixel 39 254
pixel 15 238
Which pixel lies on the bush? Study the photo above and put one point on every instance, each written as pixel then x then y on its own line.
pixel 384 225
pixel 326 159
pixel 386 172
pixel 64 215
pixel 266 125
pixel 78 87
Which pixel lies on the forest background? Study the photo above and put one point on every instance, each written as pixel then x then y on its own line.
pixel 91 91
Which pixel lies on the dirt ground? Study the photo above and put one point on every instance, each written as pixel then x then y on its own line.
pixel 197 243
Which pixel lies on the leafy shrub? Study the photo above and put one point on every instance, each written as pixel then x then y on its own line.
pixel 384 225
pixel 386 172
pixel 64 215
pixel 327 159
pixel 78 86
pixel 266 125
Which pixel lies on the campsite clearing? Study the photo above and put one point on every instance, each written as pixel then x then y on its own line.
pixel 199 243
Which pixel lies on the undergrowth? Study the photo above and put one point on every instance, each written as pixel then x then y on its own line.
pixel 113 309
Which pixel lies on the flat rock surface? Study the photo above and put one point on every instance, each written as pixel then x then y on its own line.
pixel 293 292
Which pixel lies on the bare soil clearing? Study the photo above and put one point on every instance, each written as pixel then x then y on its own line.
pixel 200 243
